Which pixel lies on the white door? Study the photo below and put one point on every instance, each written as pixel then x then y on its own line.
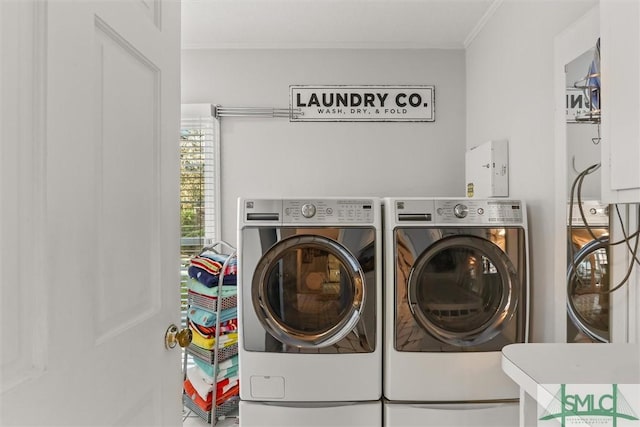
pixel 89 225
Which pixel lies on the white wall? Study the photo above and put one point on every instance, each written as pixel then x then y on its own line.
pixel 510 95
pixel 275 158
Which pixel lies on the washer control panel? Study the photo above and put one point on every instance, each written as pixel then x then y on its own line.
pixel 347 211
pixel 491 211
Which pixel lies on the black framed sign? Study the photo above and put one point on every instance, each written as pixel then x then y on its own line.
pixel 362 103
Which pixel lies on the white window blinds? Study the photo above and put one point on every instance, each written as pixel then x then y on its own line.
pixel 199 186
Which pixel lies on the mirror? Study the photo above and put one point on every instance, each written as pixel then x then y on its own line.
pixel 588 220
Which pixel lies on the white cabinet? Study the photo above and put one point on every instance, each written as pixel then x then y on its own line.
pixel 620 82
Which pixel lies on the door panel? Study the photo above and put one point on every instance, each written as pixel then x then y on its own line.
pixel 23 292
pixel 128 182
pixel 92 255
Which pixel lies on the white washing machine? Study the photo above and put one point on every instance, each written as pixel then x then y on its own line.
pixel 588 273
pixel 310 300
pixel 457 292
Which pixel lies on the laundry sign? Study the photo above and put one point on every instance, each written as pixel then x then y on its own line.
pixel 362 103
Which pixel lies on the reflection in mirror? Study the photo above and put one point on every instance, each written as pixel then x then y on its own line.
pixel 588 219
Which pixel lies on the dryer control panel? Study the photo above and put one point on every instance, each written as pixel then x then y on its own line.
pixel 421 212
pixel 596 214
pixel 488 211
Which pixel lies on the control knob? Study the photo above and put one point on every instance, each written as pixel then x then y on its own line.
pixel 308 210
pixel 460 210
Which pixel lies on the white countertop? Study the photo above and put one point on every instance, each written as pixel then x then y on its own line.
pixel 531 365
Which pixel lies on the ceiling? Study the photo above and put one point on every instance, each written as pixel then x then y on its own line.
pixel 361 24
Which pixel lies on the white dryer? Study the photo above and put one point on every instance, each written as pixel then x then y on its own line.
pixel 457 291
pixel 310 300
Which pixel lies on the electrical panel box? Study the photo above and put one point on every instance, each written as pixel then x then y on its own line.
pixel 487 170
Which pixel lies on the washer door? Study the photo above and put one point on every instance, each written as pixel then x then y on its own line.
pixel 463 290
pixel 308 291
pixel 587 286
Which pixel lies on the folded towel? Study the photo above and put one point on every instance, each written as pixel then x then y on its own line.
pixel 207 318
pixel 234 391
pixel 222 374
pixel 224 366
pixel 199 372
pixel 225 373
pixel 195 286
pixel 225 340
pixel 223 388
pixel 207 269
pixel 210 280
pixel 199 384
pixel 232 265
pixel 206 368
pixel 210 331
pixel 228 363
pixel 202 394
pixel 223 337
pixel 204 404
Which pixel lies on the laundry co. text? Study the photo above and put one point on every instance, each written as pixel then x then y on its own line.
pixel 362 103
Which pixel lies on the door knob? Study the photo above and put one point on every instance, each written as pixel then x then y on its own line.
pixel 174 336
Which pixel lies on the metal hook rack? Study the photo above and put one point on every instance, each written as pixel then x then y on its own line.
pixel 291 113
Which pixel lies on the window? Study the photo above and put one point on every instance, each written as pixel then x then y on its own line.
pixel 199 187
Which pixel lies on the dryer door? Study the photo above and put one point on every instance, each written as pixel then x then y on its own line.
pixel 463 290
pixel 587 290
pixel 308 291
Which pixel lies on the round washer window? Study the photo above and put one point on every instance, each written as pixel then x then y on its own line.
pixel 462 290
pixel 587 289
pixel 308 291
